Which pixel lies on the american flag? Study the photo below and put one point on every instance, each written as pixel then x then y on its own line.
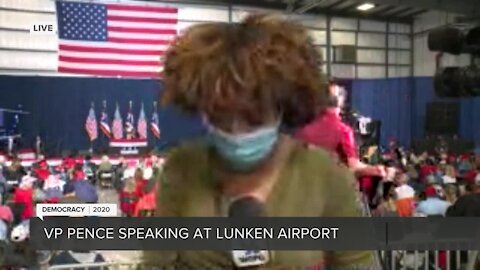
pixel 113 39
pixel 104 125
pixel 142 124
pixel 91 125
pixel 154 125
pixel 117 126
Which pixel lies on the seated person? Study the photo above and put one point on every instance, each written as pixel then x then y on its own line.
pixel 404 195
pixel 82 190
pixel 78 257
pixel 24 196
pixel 128 198
pixel 433 205
pixel 467 205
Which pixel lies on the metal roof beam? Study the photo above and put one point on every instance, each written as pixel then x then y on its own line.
pixel 308 6
pixel 465 7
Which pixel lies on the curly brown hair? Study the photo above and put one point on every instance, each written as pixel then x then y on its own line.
pixel 262 68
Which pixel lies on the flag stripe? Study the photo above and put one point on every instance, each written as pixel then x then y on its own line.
pixel 155 58
pixel 108 61
pixel 110 72
pixel 142 8
pixel 142 14
pixel 117 18
pixel 110 50
pixel 138 41
pixel 96 66
pixel 142 25
pixel 116 45
pixel 166 38
pixel 124 29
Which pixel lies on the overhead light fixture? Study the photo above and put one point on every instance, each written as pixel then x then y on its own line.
pixel 365 6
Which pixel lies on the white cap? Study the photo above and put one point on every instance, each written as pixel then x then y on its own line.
pixel 21 232
pixel 27 180
pixel 147 173
pixel 129 173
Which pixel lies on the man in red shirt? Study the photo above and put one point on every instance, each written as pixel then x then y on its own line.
pixel 329 132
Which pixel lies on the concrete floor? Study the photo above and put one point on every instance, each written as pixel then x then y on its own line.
pixel 110 196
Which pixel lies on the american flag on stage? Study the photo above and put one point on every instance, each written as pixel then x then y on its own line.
pixel 142 124
pixel 117 126
pixel 91 125
pixel 104 125
pixel 113 39
pixel 154 125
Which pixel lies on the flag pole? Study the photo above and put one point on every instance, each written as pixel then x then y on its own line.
pixel 155 137
pixel 91 141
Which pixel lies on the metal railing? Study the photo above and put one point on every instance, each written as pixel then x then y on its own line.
pixel 430 260
pixel 101 266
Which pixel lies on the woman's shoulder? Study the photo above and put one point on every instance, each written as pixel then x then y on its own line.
pixel 186 163
pixel 186 155
pixel 312 159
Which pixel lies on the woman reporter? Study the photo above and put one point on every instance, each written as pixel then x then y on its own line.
pixel 248 81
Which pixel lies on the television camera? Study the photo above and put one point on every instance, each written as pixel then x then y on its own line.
pixel 455 40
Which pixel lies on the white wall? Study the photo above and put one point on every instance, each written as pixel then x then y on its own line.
pixel 22 52
pixel 424 60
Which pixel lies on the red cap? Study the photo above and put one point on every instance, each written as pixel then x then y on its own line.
pixel 149 163
pixel 43 163
pixel 79 175
pixel 69 163
pixel 430 191
pixel 79 161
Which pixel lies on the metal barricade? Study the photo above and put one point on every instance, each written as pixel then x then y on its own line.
pixel 101 266
pixel 430 260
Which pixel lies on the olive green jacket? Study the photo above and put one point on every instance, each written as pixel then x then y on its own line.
pixel 309 185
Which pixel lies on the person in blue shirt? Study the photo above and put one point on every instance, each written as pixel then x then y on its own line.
pixel 433 205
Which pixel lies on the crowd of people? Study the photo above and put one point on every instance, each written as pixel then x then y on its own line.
pixel 253 83
pixel 75 180
pixel 425 184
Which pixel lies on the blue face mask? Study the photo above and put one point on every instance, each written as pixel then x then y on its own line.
pixel 244 151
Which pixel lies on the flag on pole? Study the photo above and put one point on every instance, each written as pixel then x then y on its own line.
pixel 114 39
pixel 117 126
pixel 142 124
pixel 91 125
pixel 154 126
pixel 104 125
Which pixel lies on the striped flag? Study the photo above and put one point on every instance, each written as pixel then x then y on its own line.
pixel 154 125
pixel 113 39
pixel 104 125
pixel 91 125
pixel 117 126
pixel 142 124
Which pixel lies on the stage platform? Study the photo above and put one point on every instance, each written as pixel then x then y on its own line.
pixel 27 160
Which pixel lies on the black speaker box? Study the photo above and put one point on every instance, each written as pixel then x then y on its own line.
pixel 442 118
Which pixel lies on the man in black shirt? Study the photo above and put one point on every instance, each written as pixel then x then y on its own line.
pixel 467 205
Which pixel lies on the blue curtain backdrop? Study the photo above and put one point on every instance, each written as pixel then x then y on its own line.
pixel 400 103
pixel 59 106
pixel 469 119
pixel 388 101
